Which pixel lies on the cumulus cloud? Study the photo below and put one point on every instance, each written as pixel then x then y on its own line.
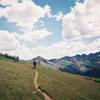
pixel 83 20
pixel 24 14
pixel 60 49
pixel 8 2
pixel 64 48
pixel 58 16
pixel 7 41
pixel 33 36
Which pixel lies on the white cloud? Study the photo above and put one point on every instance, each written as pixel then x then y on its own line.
pixel 8 2
pixel 7 41
pixel 83 20
pixel 60 49
pixel 48 11
pixel 34 35
pixel 93 47
pixel 14 43
pixel 24 53
pixel 10 45
pixel 58 16
pixel 24 14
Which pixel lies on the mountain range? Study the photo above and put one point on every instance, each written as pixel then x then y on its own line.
pixel 88 65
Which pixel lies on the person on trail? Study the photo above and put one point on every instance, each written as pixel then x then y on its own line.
pixel 34 63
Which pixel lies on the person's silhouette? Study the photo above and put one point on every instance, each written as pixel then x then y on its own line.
pixel 34 63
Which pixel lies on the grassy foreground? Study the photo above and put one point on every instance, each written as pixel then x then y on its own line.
pixel 65 86
pixel 16 83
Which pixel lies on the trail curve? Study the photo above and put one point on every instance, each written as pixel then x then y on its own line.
pixel 46 97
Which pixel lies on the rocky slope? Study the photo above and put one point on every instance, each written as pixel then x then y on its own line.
pixel 79 64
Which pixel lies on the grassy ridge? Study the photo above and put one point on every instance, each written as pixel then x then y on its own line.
pixel 16 83
pixel 64 86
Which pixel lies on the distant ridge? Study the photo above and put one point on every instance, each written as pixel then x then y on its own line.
pixel 88 65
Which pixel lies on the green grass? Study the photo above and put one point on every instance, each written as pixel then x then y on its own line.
pixel 5 59
pixel 64 86
pixel 94 79
pixel 16 83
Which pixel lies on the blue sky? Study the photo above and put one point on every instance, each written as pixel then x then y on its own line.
pixel 46 27
pixel 5 25
pixel 57 5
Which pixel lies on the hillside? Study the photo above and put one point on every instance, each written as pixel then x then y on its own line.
pixel 88 65
pixel 16 83
pixel 65 86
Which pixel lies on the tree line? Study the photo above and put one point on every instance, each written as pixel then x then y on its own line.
pixel 15 58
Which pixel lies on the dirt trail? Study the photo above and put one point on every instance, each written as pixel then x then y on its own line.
pixel 46 97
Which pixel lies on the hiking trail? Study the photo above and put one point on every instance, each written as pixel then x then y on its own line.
pixel 46 97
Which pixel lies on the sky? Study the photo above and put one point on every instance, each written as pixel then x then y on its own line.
pixel 49 28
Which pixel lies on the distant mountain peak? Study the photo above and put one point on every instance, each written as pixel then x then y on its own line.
pixel 40 59
pixel 78 64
